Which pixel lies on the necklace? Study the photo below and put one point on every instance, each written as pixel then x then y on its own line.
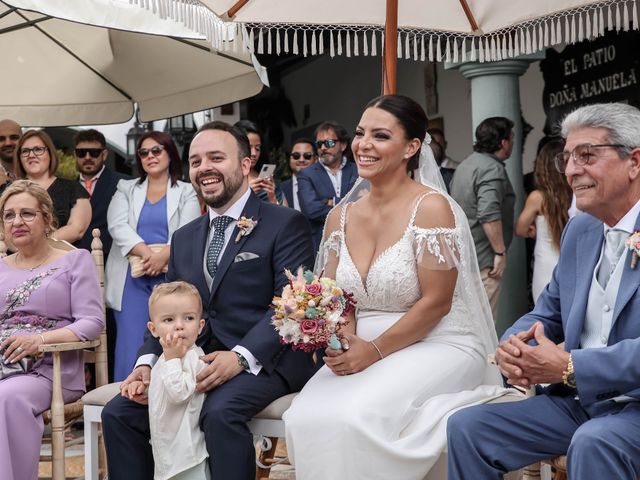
pixel 31 269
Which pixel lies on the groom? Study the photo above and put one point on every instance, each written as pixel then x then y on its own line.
pixel 591 409
pixel 236 256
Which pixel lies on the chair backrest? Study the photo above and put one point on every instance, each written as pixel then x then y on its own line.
pixel 98 356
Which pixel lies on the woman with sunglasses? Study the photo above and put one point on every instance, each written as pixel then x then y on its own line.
pixel 37 160
pixel 303 154
pixel 142 217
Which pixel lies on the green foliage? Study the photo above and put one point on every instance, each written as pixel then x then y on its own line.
pixel 278 156
pixel 67 166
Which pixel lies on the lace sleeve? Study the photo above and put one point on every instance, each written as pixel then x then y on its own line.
pixel 329 252
pixel 436 248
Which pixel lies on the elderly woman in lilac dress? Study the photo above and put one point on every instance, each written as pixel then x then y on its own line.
pixel 46 296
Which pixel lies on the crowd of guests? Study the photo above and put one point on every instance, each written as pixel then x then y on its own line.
pixel 191 268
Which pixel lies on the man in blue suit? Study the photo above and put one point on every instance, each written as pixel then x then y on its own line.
pixel 322 185
pixel 591 409
pixel 303 155
pixel 235 256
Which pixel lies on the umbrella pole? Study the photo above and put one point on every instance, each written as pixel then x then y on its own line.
pixel 390 48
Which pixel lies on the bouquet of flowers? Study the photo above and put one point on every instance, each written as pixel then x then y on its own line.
pixel 310 311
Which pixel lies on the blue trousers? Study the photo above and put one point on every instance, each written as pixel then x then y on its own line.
pixel 486 441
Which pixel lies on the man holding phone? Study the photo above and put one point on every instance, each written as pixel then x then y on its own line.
pixel 322 185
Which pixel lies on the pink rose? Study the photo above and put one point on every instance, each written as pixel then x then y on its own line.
pixel 309 326
pixel 314 289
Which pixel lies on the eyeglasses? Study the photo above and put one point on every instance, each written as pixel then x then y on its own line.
pixel 26 216
pixel 305 155
pixel 583 154
pixel 37 151
pixel 93 152
pixel 327 143
pixel 155 151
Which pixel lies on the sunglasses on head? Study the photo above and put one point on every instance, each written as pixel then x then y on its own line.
pixel 93 152
pixel 327 143
pixel 144 152
pixel 305 155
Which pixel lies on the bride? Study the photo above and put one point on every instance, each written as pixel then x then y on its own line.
pixel 416 348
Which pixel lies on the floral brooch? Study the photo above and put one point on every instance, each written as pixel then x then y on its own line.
pixel 633 244
pixel 245 227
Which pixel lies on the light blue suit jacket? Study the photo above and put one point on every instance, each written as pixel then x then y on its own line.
pixel 601 373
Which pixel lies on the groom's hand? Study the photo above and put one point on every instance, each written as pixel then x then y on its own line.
pixel 223 366
pixel 135 385
pixel 543 363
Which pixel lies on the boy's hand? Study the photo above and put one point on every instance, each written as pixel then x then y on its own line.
pixel 136 391
pixel 173 346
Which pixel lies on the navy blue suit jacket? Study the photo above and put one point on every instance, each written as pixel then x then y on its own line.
pixel 601 373
pixel 315 187
pixel 237 309
pixel 103 191
pixel 287 189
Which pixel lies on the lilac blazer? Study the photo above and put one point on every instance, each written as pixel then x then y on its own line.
pixel 64 293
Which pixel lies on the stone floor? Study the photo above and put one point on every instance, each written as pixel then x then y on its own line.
pixel 74 464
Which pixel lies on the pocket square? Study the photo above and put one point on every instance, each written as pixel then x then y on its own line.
pixel 241 257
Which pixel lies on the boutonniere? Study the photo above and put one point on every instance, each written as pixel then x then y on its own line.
pixel 633 244
pixel 245 227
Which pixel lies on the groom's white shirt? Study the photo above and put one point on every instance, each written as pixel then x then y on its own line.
pixel 234 211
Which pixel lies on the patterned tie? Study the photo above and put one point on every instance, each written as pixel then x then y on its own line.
pixel 613 249
pixel 220 224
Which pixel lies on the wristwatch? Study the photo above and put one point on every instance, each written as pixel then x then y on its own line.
pixel 242 361
pixel 568 376
pixel 501 254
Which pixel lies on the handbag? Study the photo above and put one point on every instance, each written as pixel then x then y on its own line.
pixel 135 261
pixel 24 365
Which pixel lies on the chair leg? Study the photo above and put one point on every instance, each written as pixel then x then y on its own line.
pixel 57 423
pixel 90 446
pixel 265 458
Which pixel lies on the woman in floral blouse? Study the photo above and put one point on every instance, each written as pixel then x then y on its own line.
pixel 46 296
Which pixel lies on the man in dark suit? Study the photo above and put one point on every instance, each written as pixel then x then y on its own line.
pixel 322 185
pixel 90 150
pixel 303 155
pixel 237 267
pixel 91 153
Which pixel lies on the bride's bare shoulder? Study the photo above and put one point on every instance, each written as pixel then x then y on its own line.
pixel 434 210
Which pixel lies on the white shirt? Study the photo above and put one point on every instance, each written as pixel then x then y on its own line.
pixel 336 178
pixel 235 212
pixel 294 189
pixel 174 414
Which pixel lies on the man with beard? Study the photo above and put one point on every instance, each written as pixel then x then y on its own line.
pixel 322 185
pixel 99 180
pixel 235 256
pixel 10 133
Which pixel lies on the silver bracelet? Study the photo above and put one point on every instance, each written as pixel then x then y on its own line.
pixel 377 349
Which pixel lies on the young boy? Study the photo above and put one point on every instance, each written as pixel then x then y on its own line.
pixel 178 444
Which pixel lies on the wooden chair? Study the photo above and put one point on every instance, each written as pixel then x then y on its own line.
pixel 60 416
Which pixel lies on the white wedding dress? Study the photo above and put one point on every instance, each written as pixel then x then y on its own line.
pixel 545 257
pixel 389 421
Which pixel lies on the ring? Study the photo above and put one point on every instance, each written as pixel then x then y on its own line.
pixel 19 349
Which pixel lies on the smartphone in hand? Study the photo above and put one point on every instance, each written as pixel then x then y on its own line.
pixel 267 170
